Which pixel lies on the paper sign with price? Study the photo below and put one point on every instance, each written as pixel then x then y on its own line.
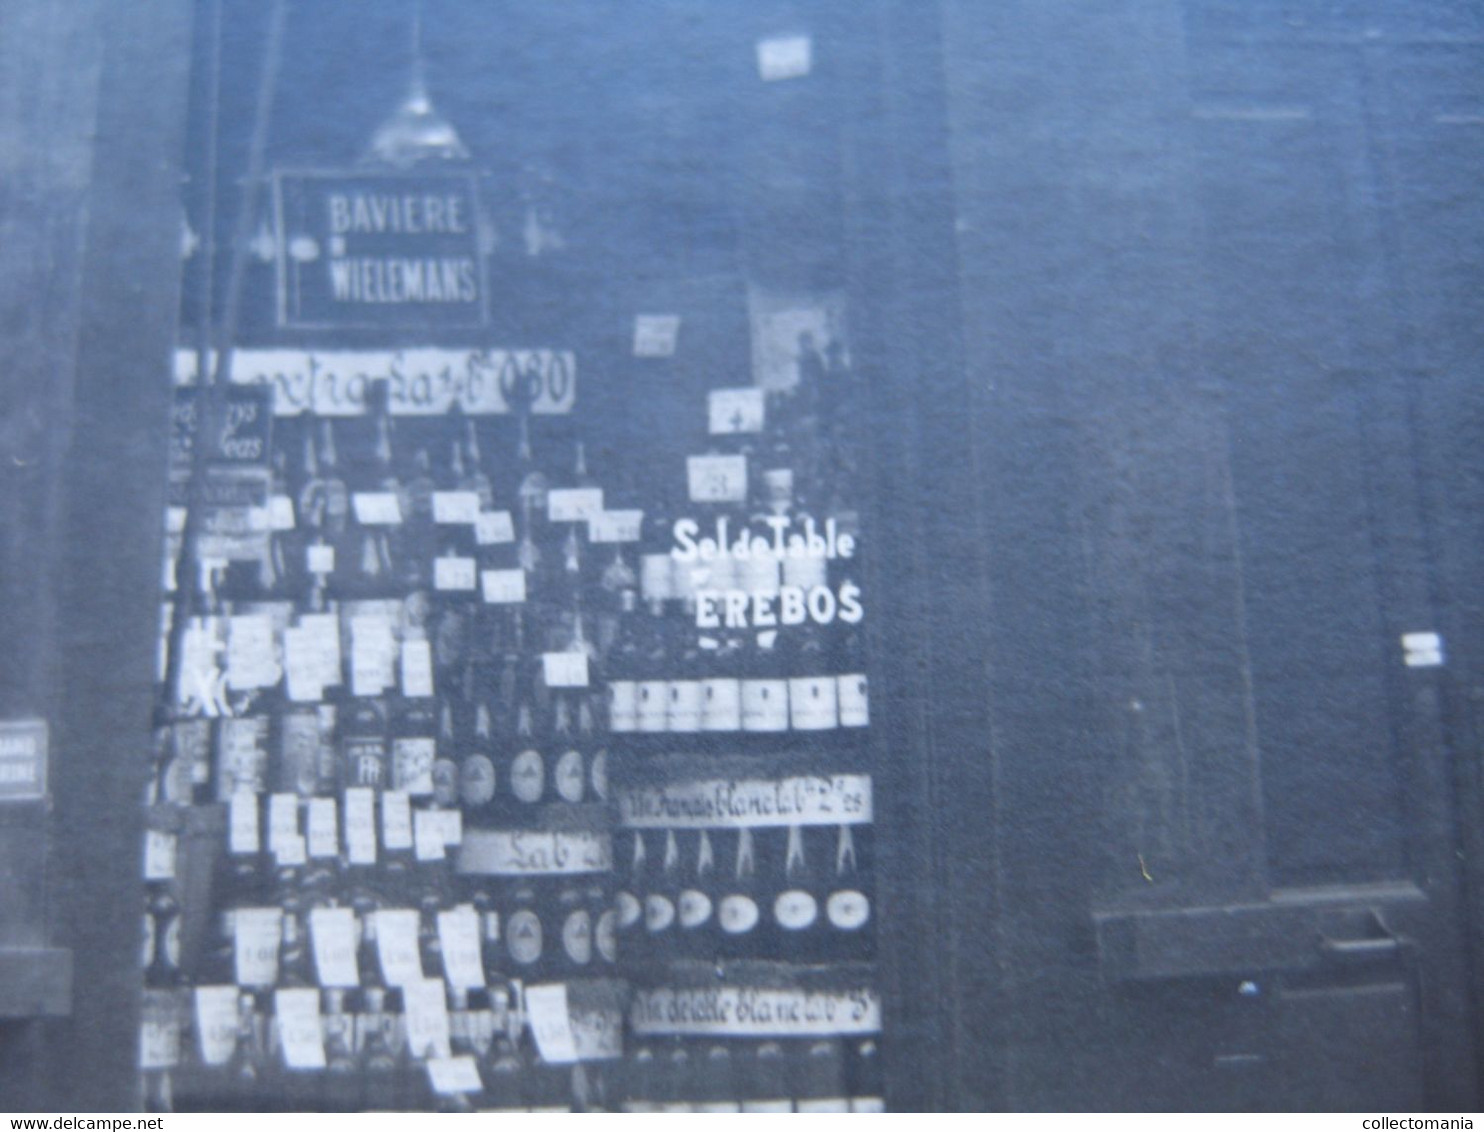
pixel 503 587
pixel 731 411
pixel 551 1023
pixel 717 479
pixel 564 669
pixel 616 526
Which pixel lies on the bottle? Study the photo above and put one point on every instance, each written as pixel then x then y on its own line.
pixel 246 1068
pixel 765 1084
pixel 364 753
pixel 848 906
pixel 446 766
pixel 574 915
pixel 864 1077
pixel 765 687
pixel 659 902
pixel 527 773
pixel 796 907
pixel 414 746
pixel 623 666
pixel 525 941
pixel 628 902
pixel 813 690
pixel 738 914
pixel 639 1082
pixel 721 688
pixel 718 1090
pixel 339 1089
pixel 696 904
pixel 820 1084
pixel 675 1086
pixel 379 1062
pixel 162 922
pixel 477 778
pixel 276 576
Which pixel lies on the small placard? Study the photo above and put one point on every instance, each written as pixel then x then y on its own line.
pixel 159 855
pixel 255 938
pixel 373 653
pixel 320 558
pixel 427 1018
pixel 460 507
pixel 251 660
pixel 458 936
pixel 449 823
pixel 504 587
pixel 216 1023
pixel 454 574
pixel 717 479
pixel 396 820
pixel 283 821
pixel 302 1041
pixel 360 825
pixel 376 508
pixel 732 411
pixel 574 504
pixel 551 1023
pixel 564 669
pixel 396 946
pixel 23 756
pixel 324 837
pixel 333 934
pixel 493 527
pixel 784 57
pixel 655 335
pixel 242 822
pixel 452 1075
pixel 616 526
pixel 417 666
pixel 427 836
pixel 280 513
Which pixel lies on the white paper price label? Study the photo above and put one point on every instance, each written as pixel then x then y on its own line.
pixel 280 513
pixel 255 936
pixel 551 1023
pixel 460 507
pixel 323 631
pixel 732 411
pixel 458 935
pixel 574 504
pixel 216 1023
pixel 373 655
pixel 396 820
pixel 449 823
pixel 396 946
pixel 452 1075
pixel 283 821
pixel 324 836
pixel 333 933
pixel 320 558
pixel 376 508
pixel 616 526
pixel 564 669
pixel 360 825
pixel 717 479
pixel 159 855
pixel 427 836
pixel 297 1012
pixel 251 660
pixel 784 57
pixel 493 527
pixel 417 665
pixel 454 574
pixel 427 1018
pixel 655 335
pixel 293 852
pixel 242 823
pixel 504 587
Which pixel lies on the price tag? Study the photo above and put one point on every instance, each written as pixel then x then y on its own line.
pixel 320 558
pixel 373 652
pixel 574 504
pixel 280 513
pixel 255 936
pixel 216 1023
pixel 324 836
pixel 242 823
pixel 297 1011
pixel 450 573
pixel 655 335
pixel 360 825
pixel 413 757
pixel 493 527
pixel 333 933
pixel 427 835
pixel 396 820
pixel 427 1018
pixel 456 507
pixel 615 526
pixel 159 855
pixel 283 821
pixel 396 946
pixel 417 663
pixel 717 479
pixel 450 825
pixel 301 667
pixel 564 669
pixel 376 508
pixel 159 1030
pixel 551 1023
pixel 732 411
pixel 504 587
pixel 293 852
pixel 452 1075
pixel 786 57
pixel 175 520
pixel 458 934
pixel 251 662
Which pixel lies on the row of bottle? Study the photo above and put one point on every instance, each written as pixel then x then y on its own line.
pixel 221 1049
pixel 800 895
pixel 746 1075
pixel 436 754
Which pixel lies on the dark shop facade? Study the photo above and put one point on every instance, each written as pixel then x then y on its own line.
pixel 771 557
